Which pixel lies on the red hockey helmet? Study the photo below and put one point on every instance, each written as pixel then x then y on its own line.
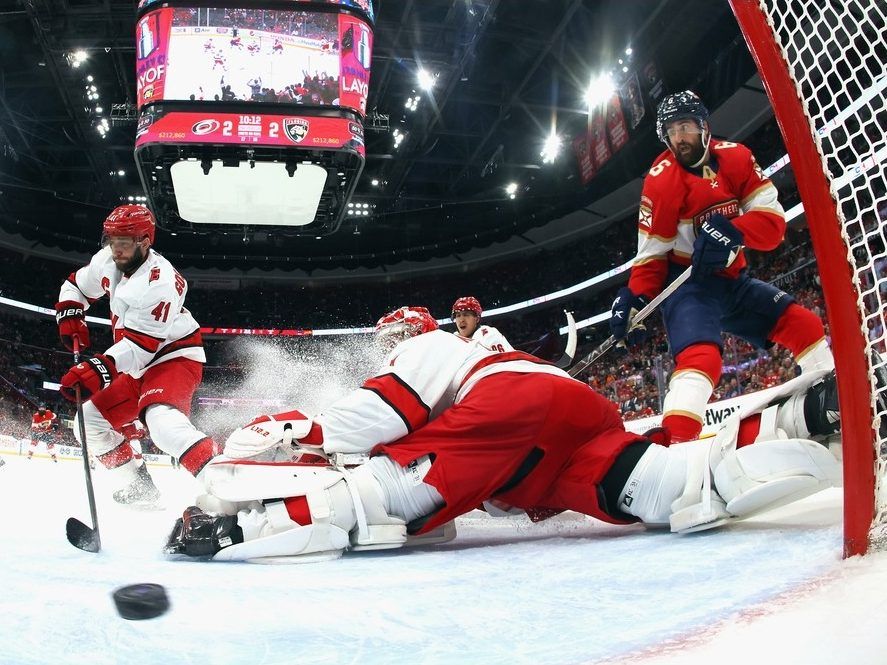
pixel 467 304
pixel 135 221
pixel 402 324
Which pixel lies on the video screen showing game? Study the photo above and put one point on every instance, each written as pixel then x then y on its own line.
pixel 366 6
pixel 253 55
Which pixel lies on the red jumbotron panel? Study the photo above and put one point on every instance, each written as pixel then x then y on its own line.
pixel 251 115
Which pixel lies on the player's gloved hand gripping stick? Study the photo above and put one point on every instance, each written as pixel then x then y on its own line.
pixel 638 318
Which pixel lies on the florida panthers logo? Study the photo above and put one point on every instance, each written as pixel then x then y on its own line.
pixel 296 129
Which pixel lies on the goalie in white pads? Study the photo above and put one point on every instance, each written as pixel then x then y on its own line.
pixel 449 424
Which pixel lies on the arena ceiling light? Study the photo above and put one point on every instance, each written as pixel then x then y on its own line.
pixel 599 90
pixel 425 79
pixel 77 58
pixel 511 189
pixel 550 148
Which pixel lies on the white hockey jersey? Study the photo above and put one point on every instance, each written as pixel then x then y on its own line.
pixel 148 319
pixel 491 338
pixel 420 378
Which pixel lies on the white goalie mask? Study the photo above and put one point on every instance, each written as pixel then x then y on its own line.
pixel 401 324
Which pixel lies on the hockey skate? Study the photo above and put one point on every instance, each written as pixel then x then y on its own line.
pixel 140 492
pixel 821 410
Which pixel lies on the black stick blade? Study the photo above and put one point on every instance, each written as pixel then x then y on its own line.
pixel 81 536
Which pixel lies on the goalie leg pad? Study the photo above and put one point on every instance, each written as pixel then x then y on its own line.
pixel 345 508
pixel 770 474
pixel 699 507
pixel 271 536
pixel 672 486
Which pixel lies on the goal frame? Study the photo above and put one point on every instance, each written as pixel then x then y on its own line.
pixel 848 342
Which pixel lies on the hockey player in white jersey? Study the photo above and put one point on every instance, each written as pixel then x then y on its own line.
pixel 466 315
pixel 449 424
pixel 155 364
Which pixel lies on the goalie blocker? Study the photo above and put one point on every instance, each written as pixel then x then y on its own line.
pixel 761 459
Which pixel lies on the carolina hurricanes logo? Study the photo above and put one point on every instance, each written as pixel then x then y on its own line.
pixel 154 275
pixel 204 127
pixel 106 284
pixel 296 129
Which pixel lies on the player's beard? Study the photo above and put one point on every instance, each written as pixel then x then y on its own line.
pixel 688 154
pixel 130 266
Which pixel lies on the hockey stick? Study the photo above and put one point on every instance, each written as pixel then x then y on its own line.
pixel 79 534
pixel 570 350
pixel 638 318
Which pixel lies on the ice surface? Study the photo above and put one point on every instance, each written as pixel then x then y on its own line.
pixel 570 590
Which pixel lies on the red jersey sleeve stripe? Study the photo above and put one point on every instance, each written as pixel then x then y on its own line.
pixel 402 399
pixel 147 342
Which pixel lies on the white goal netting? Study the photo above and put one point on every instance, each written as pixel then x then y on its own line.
pixel 836 53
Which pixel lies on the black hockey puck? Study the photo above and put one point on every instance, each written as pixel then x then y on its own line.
pixel 141 601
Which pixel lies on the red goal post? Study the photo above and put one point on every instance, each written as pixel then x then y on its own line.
pixel 823 66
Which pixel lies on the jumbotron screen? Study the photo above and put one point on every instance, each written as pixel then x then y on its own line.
pixel 265 56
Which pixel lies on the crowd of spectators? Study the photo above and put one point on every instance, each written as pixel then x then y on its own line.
pixel 635 380
pixel 314 25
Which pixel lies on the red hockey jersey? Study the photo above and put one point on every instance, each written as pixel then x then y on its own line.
pixel 675 202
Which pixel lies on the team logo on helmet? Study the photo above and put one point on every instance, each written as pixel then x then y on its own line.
pixel 296 129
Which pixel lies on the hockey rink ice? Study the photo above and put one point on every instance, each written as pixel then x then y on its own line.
pixel 569 590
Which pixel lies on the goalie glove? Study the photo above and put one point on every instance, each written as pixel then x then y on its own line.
pixel 288 436
pixel 625 308
pixel 92 375
pixel 716 247
pixel 70 319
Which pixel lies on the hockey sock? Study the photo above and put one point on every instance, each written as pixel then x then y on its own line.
pixel 801 332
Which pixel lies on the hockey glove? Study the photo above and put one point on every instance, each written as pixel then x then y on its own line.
pixel 198 534
pixel 92 375
pixel 716 247
pixel 70 320
pixel 625 308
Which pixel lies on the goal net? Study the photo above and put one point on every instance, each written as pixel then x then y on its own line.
pixel 823 65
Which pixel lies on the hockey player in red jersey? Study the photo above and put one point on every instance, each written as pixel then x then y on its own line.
pixel 466 315
pixel 450 424
pixel 155 364
pixel 702 202
pixel 41 431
